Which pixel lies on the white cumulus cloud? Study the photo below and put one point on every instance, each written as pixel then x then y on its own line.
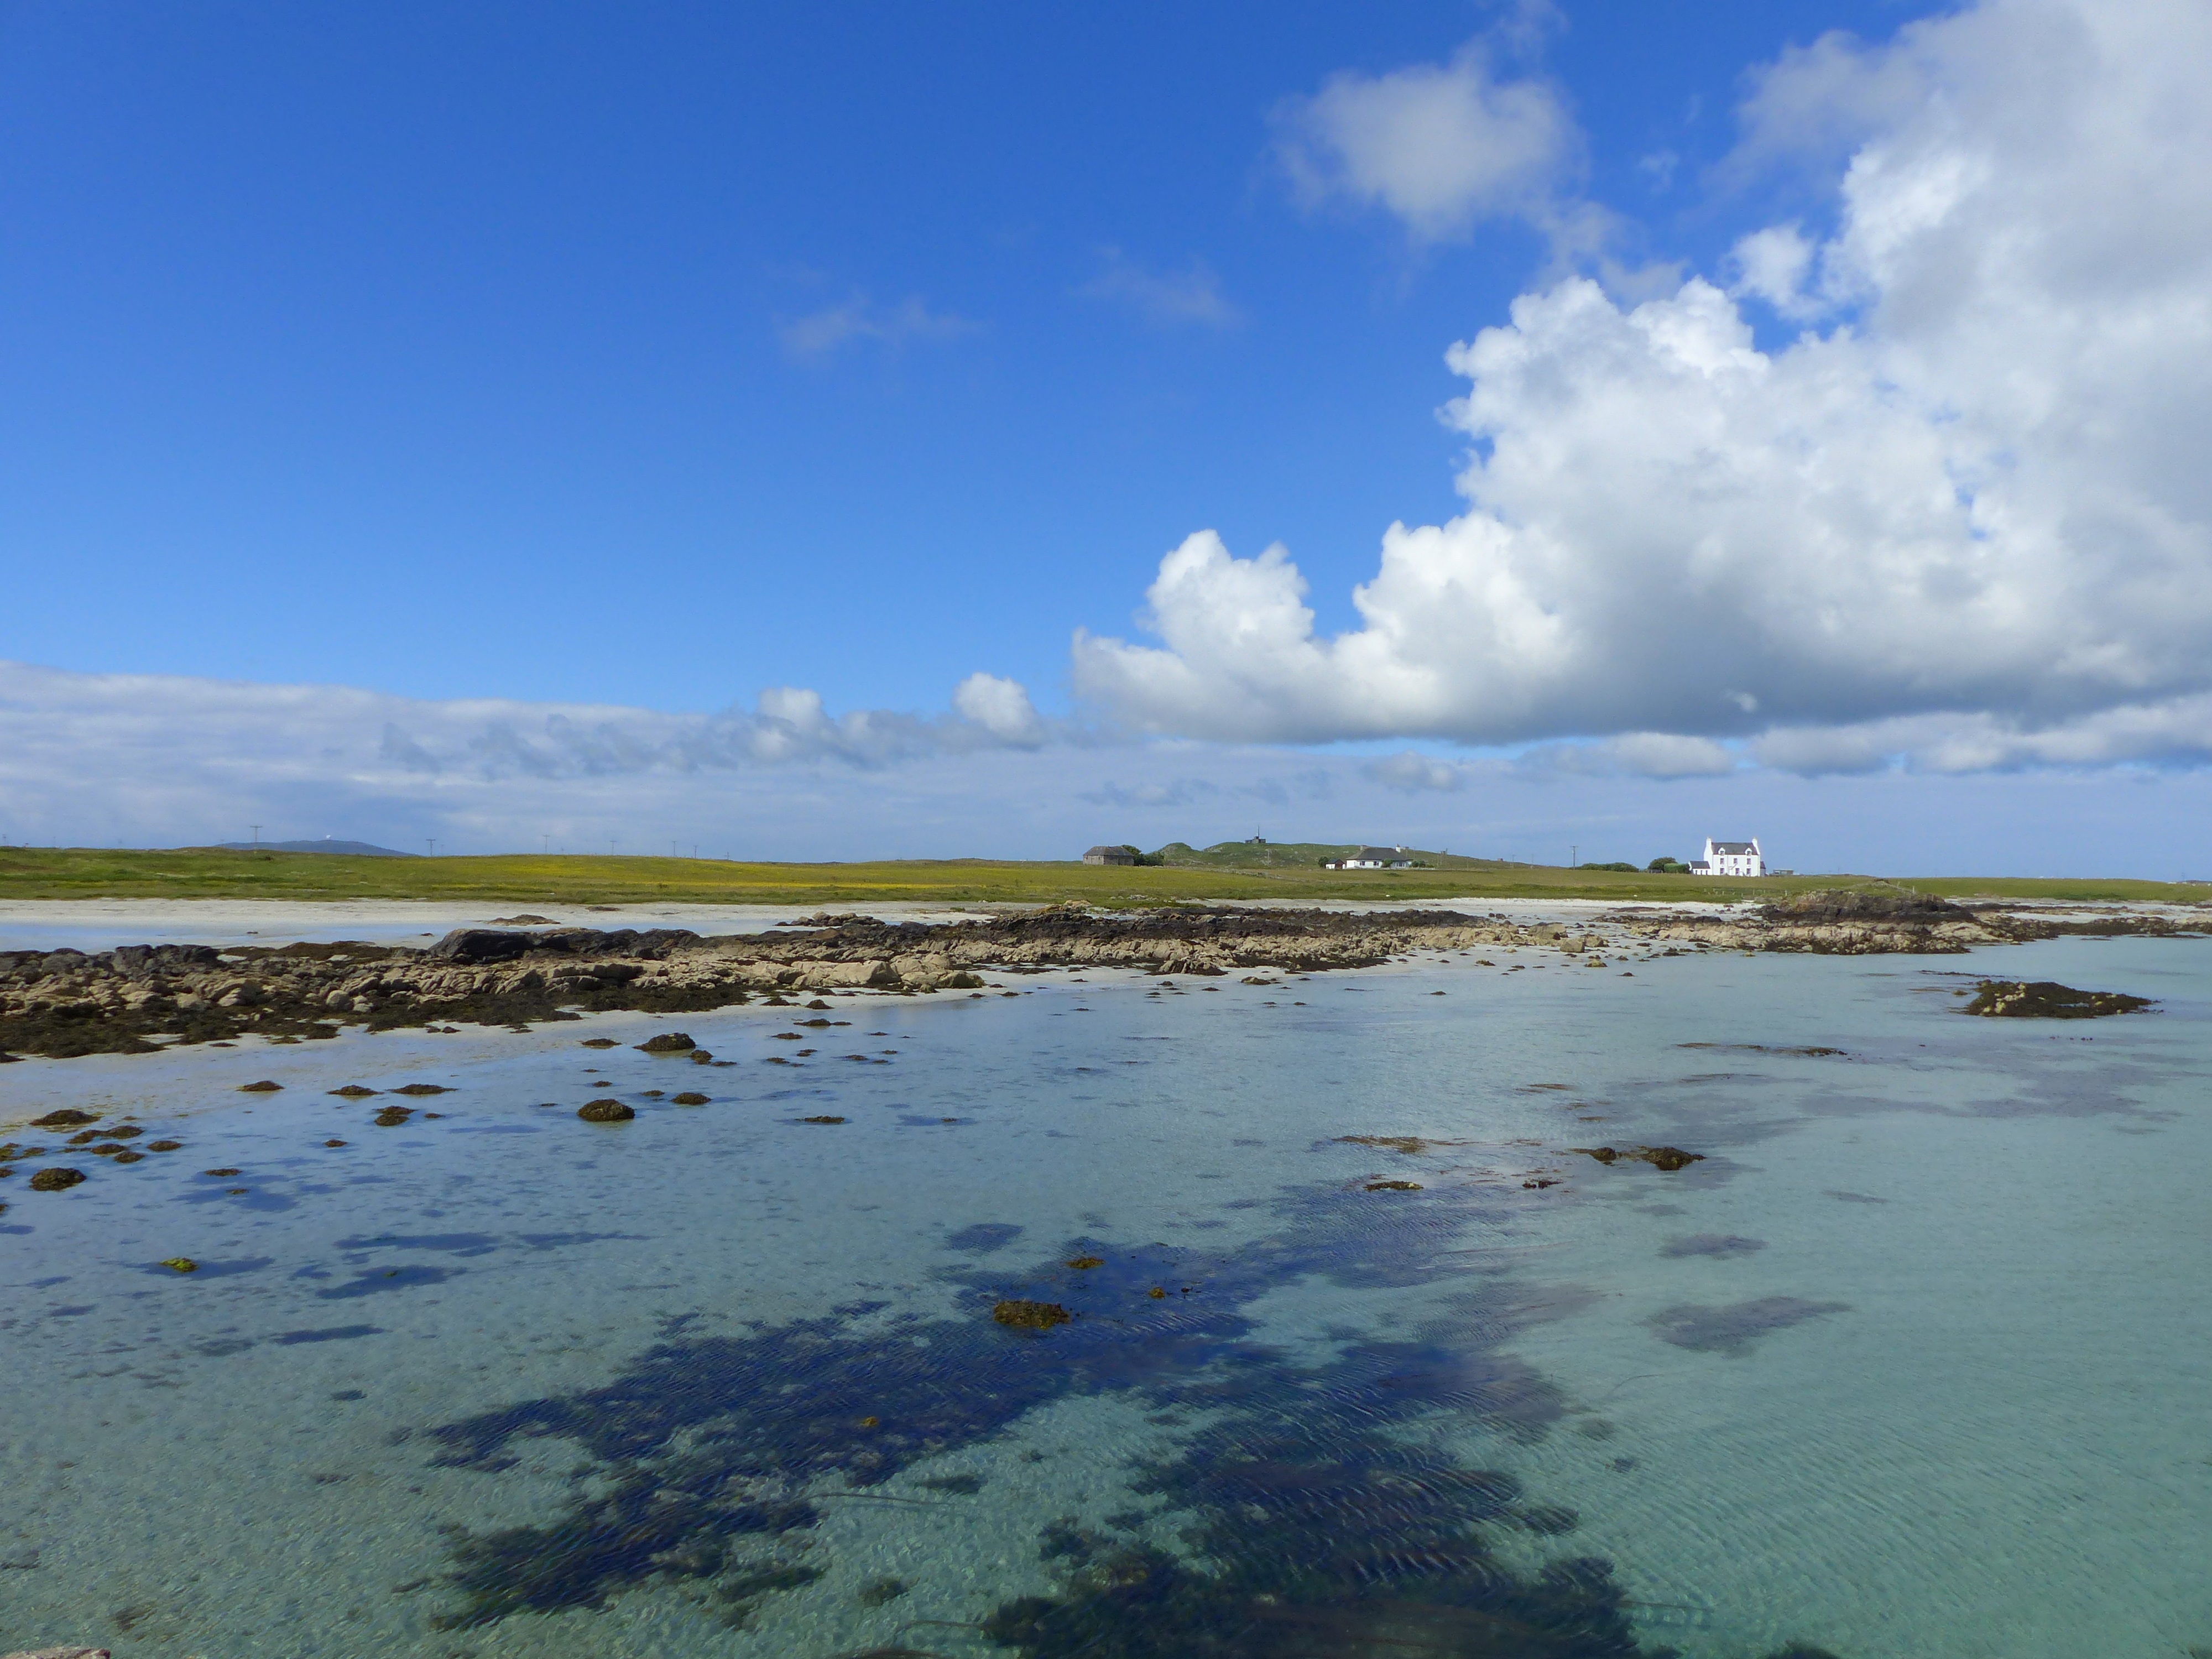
pixel 1442 146
pixel 1001 708
pixel 1970 496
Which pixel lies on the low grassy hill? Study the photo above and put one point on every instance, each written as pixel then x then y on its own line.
pixel 1229 871
pixel 1301 855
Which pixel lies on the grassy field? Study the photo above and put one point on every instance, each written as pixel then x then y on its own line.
pixel 1231 870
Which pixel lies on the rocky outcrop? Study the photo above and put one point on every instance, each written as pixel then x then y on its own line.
pixel 63 1003
pixel 1882 921
pixel 2046 998
pixel 66 1002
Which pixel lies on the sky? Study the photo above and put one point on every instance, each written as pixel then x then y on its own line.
pixel 1537 430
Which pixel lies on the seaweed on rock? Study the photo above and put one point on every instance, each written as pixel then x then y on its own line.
pixel 2047 999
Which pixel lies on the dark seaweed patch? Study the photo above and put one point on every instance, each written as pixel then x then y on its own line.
pixel 386 1279
pixel 983 1237
pixel 1323 1533
pixel 709 1447
pixel 453 1243
pixel 1732 1329
pixel 328 1333
pixel 1713 1244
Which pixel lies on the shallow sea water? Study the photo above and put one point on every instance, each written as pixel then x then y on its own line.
pixel 1914 1362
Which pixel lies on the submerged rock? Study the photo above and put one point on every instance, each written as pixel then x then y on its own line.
pixel 264 1087
pixel 1718 1244
pixel 605 1111
pixel 668 1043
pixel 1394 1186
pixel 1659 1158
pixel 1410 1145
pixel 824 1118
pixel 67 1118
pixel 690 1098
pixel 56 1180
pixel 182 1264
pixel 391 1117
pixel 1732 1329
pixel 422 1089
pixel 354 1092
pixel 2045 999
pixel 1030 1316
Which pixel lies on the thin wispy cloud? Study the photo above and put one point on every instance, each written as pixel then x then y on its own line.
pixel 859 320
pixel 1191 296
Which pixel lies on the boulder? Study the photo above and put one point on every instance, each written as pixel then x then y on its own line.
pixel 481 944
pixel 605 1111
pixel 2047 999
pixel 1891 904
pixel 1030 1316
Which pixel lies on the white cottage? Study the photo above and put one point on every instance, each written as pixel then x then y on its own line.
pixel 1374 857
pixel 1730 858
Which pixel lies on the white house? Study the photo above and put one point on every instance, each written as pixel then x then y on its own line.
pixel 1730 858
pixel 1375 858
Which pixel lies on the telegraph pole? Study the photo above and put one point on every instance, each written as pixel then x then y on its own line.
pixel 256 835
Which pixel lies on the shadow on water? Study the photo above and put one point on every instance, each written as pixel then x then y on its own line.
pixel 1316 1522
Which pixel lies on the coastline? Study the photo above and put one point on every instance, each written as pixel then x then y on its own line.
pixel 532 967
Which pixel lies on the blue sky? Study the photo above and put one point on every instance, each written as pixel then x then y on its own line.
pixel 647 358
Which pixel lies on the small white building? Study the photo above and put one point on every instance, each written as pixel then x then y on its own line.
pixel 1730 858
pixel 1375 858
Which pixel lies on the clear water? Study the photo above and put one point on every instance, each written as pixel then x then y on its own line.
pixel 1914 1362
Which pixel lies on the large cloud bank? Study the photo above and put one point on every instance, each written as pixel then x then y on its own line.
pixel 1964 515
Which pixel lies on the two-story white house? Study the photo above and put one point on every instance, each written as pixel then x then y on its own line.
pixel 1730 858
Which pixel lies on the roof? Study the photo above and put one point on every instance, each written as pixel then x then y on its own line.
pixel 1115 847
pixel 1383 852
pixel 1739 848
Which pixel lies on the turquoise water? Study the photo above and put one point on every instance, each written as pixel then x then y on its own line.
pixel 1913 1362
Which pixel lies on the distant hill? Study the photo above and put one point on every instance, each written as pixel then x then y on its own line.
pixel 359 849
pixel 1304 855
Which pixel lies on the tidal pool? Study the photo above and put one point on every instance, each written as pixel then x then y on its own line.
pixel 1360 1356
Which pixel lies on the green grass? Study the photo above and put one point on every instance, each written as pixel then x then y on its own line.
pixel 1232 870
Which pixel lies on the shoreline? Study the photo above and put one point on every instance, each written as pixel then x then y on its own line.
pixel 532 967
